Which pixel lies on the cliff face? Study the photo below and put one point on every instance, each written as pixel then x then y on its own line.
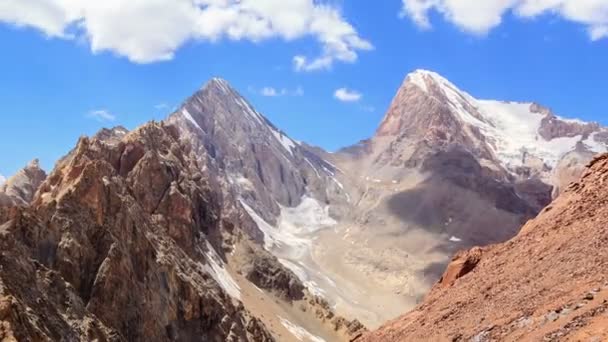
pixel 548 283
pixel 124 241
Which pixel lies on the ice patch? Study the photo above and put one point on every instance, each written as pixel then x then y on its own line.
pixel 215 268
pixel 300 333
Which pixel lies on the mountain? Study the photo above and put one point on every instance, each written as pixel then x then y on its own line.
pixel 446 171
pixel 214 224
pixel 147 235
pixel 20 188
pixel 546 284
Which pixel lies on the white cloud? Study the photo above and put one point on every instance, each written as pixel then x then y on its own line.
pixel 347 95
pixel 101 115
pixel 147 31
pixel 161 106
pixel 273 92
pixel 479 17
pixel 2 180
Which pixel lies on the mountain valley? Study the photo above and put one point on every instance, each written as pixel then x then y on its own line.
pixel 214 224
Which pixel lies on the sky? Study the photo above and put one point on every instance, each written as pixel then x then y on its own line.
pixel 322 71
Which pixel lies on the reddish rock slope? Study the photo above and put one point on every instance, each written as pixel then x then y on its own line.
pixel 549 283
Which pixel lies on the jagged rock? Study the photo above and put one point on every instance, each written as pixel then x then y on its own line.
pixel 21 188
pixel 118 257
pixel 462 263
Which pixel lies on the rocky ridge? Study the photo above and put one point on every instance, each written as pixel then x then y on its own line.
pixel 129 238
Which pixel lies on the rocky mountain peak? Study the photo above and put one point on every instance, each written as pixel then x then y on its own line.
pixel 111 135
pixel 20 188
pixel 524 138
pixel 34 164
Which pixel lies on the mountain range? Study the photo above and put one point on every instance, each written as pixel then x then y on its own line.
pixel 215 225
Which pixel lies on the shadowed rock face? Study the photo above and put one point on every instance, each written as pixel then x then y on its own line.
pixel 460 198
pixel 546 283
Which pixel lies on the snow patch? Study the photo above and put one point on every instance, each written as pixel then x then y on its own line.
pixel 291 241
pixel 284 140
pixel 307 217
pixel 222 84
pixel 189 117
pixel 300 333
pixel 313 167
pixel 513 128
pixel 215 268
pixel 455 239
pixel 417 78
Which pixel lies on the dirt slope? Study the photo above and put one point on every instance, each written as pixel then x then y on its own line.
pixel 549 283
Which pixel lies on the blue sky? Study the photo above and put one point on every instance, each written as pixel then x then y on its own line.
pixel 59 69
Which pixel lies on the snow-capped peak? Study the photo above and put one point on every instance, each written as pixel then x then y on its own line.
pixel 512 131
pixel 421 78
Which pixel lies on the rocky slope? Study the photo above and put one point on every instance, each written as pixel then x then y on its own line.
pixel 123 241
pixel 140 236
pixel 546 284
pixel 447 171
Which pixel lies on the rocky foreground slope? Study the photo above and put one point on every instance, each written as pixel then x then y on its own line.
pixel 549 283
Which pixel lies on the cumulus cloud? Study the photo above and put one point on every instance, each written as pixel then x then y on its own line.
pixel 347 95
pixel 147 31
pixel 101 115
pixel 479 17
pixel 274 92
pixel 2 179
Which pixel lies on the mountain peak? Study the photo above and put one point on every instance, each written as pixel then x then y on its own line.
pixel 34 164
pixel 423 78
pixel 218 83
